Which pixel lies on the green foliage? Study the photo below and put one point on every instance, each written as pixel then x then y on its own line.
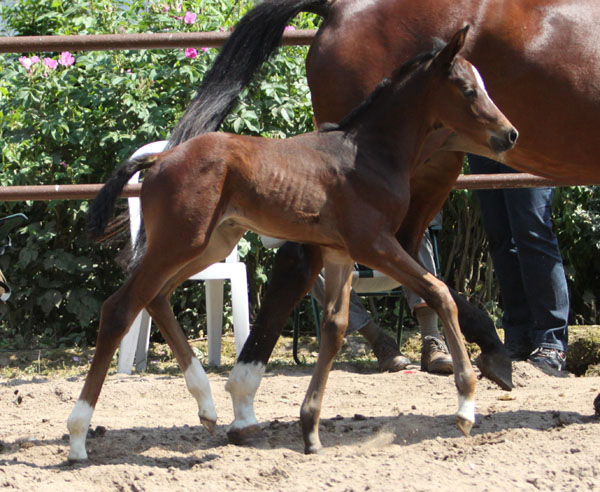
pixel 75 124
pixel 577 225
pixel 467 265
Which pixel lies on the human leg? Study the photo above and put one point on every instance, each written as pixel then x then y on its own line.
pixel 528 266
pixel 516 318
pixel 542 272
pixel 383 345
pixel 434 353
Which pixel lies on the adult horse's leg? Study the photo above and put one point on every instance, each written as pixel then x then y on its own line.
pixel 388 256
pixel 338 281
pixel 294 271
pixel 430 186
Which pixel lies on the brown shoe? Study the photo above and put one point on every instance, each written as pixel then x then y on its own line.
pixel 389 357
pixel 435 358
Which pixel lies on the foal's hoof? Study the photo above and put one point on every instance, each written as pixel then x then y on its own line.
pixel 209 425
pixel 251 436
pixel 497 367
pixel 464 425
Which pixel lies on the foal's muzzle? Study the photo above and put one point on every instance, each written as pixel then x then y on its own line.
pixel 504 141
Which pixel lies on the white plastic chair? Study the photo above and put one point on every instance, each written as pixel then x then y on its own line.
pixel 134 345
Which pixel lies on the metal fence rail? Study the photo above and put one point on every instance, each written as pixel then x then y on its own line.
pixel 88 191
pixel 100 42
pixel 40 44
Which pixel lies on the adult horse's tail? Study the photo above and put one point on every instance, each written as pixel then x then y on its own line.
pixel 253 40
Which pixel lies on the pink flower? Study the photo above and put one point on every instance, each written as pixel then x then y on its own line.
pixel 63 164
pixel 189 17
pixel 26 62
pixel 191 53
pixel 35 59
pixel 165 9
pixel 205 49
pixel 66 59
pixel 50 63
pixel 289 28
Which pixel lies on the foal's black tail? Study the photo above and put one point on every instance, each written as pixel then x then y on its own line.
pixel 103 206
pixel 254 38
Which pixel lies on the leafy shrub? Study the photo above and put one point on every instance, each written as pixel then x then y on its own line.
pixel 73 123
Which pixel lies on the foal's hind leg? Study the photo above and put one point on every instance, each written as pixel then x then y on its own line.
pixel 335 320
pixel 117 314
pixel 294 271
pixel 220 245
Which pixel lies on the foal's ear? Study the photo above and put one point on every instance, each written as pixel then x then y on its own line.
pixel 447 54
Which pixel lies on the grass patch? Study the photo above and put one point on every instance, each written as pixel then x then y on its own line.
pixel 583 357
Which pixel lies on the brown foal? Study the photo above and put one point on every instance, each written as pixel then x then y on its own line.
pixel 344 188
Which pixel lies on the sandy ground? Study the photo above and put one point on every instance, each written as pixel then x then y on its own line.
pixel 380 432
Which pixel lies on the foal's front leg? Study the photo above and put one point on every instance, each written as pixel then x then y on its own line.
pixel 390 258
pixel 338 281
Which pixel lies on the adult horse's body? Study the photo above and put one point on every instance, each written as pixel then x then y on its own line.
pixel 343 189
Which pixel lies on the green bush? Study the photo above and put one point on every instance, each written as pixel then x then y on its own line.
pixel 75 123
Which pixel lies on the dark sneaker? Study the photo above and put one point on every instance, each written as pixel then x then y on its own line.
pixel 388 355
pixel 435 358
pixel 548 357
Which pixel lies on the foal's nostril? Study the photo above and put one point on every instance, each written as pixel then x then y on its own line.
pixel 512 136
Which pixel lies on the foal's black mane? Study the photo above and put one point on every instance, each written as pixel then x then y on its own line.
pixel 399 74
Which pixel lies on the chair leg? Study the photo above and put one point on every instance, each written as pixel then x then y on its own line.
pixel 239 307
pixel 141 353
pixel 214 319
pixel 128 346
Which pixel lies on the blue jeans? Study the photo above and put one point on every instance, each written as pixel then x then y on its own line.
pixel 527 261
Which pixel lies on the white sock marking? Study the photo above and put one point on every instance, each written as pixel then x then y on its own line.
pixel 466 408
pixel 78 424
pixel 199 386
pixel 242 384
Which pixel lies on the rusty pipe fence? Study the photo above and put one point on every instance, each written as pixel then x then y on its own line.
pixel 27 44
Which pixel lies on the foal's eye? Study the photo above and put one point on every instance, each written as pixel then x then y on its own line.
pixel 470 93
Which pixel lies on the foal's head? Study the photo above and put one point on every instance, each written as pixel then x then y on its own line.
pixel 459 101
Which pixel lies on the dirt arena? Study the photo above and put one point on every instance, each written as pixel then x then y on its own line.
pixel 380 432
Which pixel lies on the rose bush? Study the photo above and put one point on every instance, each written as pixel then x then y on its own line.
pixel 69 118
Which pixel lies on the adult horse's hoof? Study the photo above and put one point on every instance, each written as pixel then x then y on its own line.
pixel 463 425
pixel 209 425
pixel 251 436
pixel 313 449
pixel 74 460
pixel 497 367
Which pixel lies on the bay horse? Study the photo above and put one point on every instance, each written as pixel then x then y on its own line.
pixel 540 60
pixel 344 189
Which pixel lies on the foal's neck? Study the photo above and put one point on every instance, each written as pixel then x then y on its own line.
pixel 396 124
